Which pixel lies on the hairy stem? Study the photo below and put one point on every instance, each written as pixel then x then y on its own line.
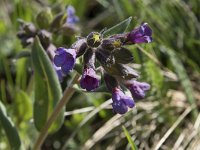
pixel 69 91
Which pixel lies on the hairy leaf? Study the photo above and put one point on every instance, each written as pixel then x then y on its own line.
pixel 47 88
pixel 121 70
pixel 123 56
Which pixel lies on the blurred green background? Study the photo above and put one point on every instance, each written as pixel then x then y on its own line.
pixel 168 118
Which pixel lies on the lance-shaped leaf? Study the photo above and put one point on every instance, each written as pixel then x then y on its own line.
pixel 47 88
pixel 10 130
pixel 119 28
pixel 129 71
pixel 121 70
pixel 123 56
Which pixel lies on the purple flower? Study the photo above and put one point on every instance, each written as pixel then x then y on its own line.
pixel 121 102
pixel 59 72
pixel 138 89
pixel 89 80
pixel 65 58
pixel 71 18
pixel 142 34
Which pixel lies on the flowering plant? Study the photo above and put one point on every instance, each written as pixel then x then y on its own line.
pixel 112 58
pixel 102 53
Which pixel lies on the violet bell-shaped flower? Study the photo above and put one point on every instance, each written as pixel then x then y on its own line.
pixel 65 58
pixel 89 80
pixel 71 17
pixel 142 34
pixel 121 102
pixel 138 89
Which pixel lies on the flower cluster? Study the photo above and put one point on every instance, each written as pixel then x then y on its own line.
pixel 48 24
pixel 47 27
pixel 113 58
pixel 109 53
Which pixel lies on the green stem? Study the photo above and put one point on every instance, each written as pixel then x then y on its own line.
pixel 69 91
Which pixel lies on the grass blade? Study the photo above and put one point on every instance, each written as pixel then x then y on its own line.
pixel 183 77
pixel 132 144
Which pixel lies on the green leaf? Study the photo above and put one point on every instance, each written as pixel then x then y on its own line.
pixel 10 130
pixel 123 56
pixel 41 103
pixel 121 70
pixel 119 28
pixel 23 54
pixel 104 57
pixel 23 109
pixel 132 144
pixel 48 91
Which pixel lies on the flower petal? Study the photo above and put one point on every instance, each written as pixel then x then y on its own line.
pixel 59 60
pixel 121 102
pixel 142 34
pixel 70 10
pixel 117 94
pixel 129 102
pixel 137 92
pixel 71 17
pixel 59 72
pixel 65 58
pixel 144 39
pixel 119 107
pixel 89 80
pixel 68 65
pixel 143 85
pixel 147 29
